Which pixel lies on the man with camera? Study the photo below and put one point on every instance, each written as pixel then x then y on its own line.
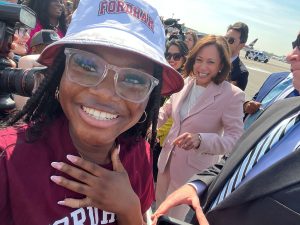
pixel 12 16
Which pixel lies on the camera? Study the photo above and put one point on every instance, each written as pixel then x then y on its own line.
pixel 17 81
pixel 20 81
pixel 173 29
pixel 12 15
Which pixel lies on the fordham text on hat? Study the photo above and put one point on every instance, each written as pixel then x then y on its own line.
pixel 119 6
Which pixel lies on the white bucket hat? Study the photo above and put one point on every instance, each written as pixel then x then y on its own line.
pixel 131 25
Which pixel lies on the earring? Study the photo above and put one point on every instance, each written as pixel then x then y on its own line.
pixel 57 94
pixel 220 71
pixel 145 117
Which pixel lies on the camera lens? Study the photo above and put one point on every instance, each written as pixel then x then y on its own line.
pixel 18 81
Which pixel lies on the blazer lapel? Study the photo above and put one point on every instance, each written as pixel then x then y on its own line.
pixel 272 116
pixel 206 99
pixel 273 179
pixel 274 83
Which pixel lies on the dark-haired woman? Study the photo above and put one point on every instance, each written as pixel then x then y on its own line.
pixel 82 157
pixel 50 15
pixel 207 119
pixel 176 53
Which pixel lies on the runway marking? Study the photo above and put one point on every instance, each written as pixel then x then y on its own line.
pixel 259 70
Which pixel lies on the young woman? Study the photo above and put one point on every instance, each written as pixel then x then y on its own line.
pixel 190 38
pixel 82 157
pixel 50 15
pixel 207 119
pixel 20 46
pixel 176 52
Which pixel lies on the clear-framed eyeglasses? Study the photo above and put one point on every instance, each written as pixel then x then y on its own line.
pixel 89 70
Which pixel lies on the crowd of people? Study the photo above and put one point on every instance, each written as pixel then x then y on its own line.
pixel 128 118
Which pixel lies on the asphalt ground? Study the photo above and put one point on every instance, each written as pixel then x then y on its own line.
pixel 259 71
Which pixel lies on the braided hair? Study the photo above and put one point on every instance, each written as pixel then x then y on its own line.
pixel 152 110
pixel 43 107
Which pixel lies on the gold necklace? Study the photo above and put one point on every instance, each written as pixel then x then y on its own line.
pixel 112 147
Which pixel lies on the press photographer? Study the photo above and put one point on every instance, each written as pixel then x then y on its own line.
pixel 21 82
pixel 173 29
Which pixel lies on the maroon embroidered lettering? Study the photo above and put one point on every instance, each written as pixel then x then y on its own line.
pixel 119 6
pixel 102 7
pixel 89 215
pixel 111 7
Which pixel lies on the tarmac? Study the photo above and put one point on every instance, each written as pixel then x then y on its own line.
pixel 259 71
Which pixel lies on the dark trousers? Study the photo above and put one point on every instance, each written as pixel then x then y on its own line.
pixel 156 153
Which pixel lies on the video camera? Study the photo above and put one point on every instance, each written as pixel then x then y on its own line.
pixel 17 81
pixel 12 15
pixel 173 29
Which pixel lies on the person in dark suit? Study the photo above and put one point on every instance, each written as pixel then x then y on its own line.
pixel 253 187
pixel 276 87
pixel 237 35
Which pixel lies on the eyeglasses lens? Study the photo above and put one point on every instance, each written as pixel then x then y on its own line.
pixel 88 69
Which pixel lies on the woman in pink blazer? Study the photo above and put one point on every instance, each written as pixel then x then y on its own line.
pixel 207 115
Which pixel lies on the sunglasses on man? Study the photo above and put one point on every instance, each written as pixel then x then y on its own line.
pixel 296 43
pixel 175 56
pixel 230 40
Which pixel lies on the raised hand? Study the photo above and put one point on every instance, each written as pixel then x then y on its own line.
pixel 104 189
pixel 187 141
pixel 184 195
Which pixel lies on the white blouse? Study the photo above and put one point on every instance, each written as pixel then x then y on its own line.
pixel 190 100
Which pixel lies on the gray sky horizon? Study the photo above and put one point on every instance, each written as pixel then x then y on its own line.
pixel 275 23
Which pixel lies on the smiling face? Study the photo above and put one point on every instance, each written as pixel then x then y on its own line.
pixel 207 65
pixel 98 115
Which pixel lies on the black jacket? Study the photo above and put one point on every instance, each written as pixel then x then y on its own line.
pixel 239 74
pixel 271 197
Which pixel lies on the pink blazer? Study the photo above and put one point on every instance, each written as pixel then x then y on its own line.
pixel 218 117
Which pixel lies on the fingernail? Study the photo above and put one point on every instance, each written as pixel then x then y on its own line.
pixel 72 158
pixel 56 165
pixel 55 178
pixel 61 202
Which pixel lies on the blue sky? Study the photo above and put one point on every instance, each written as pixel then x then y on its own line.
pixel 275 23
